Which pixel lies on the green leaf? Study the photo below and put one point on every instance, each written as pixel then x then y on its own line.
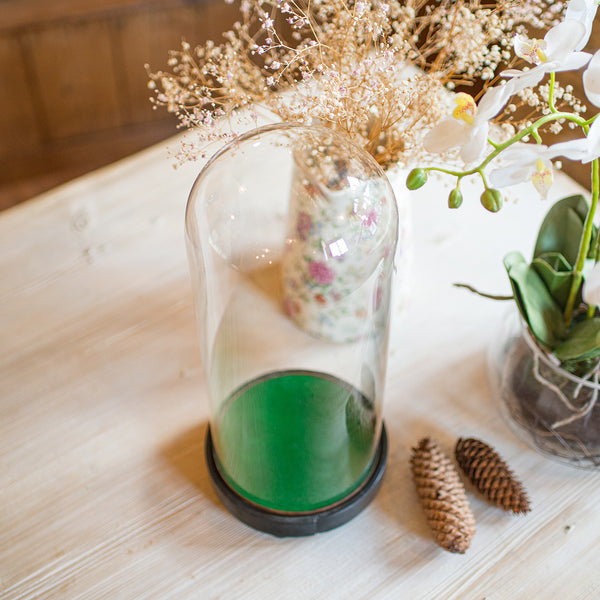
pixel 535 302
pixel 556 273
pixel 557 261
pixel 562 228
pixel 583 341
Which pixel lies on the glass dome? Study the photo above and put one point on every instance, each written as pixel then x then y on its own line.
pixel 291 233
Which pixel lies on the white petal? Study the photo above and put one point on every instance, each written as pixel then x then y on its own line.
pixel 512 73
pixel 593 139
pixel 573 150
pixel 591 80
pixel 520 44
pixel 474 148
pixel 583 11
pixel 525 153
pixel 593 147
pixel 510 175
pixel 494 100
pixel 563 39
pixel 585 149
pixel 572 62
pixel 524 79
pixel 591 286
pixel 447 134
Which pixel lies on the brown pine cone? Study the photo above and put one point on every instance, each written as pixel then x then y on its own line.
pixel 442 497
pixel 491 476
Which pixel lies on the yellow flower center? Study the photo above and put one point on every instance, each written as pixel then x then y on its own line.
pixel 466 108
pixel 542 177
pixel 533 51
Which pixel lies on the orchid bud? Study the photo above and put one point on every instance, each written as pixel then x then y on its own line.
pixel 491 200
pixel 455 198
pixel 416 178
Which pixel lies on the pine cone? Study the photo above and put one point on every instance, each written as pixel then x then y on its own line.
pixel 490 475
pixel 442 496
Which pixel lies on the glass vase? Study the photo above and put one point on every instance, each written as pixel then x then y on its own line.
pixel 552 410
pixel 291 233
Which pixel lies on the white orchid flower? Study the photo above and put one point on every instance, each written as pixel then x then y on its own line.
pixel 556 52
pixel 583 11
pixel 591 80
pixel 584 149
pixel 591 286
pixel 469 126
pixel 526 162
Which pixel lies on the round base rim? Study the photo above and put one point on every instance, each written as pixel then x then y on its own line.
pixel 303 523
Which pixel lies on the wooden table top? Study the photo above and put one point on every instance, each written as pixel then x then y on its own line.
pixel 103 408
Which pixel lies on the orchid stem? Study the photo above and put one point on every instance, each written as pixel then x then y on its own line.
pixel 584 245
pixel 499 148
pixel 551 92
pixel 596 190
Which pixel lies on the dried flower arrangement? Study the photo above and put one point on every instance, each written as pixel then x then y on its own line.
pixel 377 70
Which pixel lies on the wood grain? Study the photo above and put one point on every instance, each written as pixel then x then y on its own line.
pixel 19 127
pixel 73 75
pixel 146 38
pixel 80 83
pixel 103 406
pixel 23 14
pixel 42 168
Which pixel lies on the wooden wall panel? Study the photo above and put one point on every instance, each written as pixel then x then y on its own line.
pixel 72 76
pixel 74 69
pixel 18 124
pixel 74 88
pixel 147 37
pixel 22 14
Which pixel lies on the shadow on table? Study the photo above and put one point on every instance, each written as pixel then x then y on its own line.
pixel 452 402
pixel 186 455
pixel 398 498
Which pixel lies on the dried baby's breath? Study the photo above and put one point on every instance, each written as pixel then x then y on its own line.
pixel 376 70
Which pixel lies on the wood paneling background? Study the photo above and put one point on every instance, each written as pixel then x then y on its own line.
pixel 73 88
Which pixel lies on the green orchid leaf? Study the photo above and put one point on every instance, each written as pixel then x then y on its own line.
pixel 557 261
pixel 556 275
pixel 535 302
pixel 510 260
pixel 562 228
pixel 583 342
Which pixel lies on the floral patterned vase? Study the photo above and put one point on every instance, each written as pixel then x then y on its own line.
pixel 338 248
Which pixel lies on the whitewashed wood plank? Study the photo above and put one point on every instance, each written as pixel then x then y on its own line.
pixel 103 408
